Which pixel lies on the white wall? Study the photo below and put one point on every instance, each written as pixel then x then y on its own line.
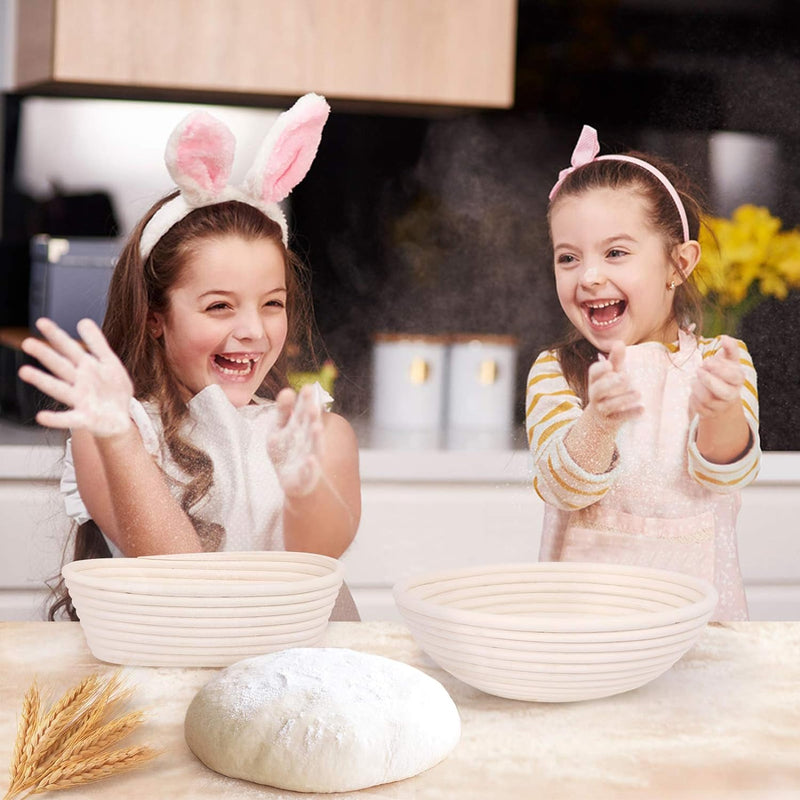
pixel 8 13
pixel 8 16
pixel 116 146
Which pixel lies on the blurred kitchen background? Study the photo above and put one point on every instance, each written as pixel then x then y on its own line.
pixel 424 216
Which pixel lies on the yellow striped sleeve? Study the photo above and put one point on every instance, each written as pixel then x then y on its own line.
pixel 551 407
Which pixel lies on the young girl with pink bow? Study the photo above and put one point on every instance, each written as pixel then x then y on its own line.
pixel 642 431
pixel 184 433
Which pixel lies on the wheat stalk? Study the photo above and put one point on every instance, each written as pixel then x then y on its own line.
pixel 68 745
pixel 100 739
pixel 80 771
pixel 28 722
pixel 60 718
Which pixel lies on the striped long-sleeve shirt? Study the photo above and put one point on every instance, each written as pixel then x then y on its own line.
pixel 552 406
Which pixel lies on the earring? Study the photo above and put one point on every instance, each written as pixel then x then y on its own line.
pixel 671 286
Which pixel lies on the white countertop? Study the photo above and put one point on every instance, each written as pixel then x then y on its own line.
pixel 32 453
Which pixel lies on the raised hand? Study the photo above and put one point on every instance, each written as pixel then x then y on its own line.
pixel 717 387
pixel 91 381
pixel 611 396
pixel 296 447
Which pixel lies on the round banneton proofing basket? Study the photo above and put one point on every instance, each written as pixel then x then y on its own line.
pixel 555 631
pixel 202 609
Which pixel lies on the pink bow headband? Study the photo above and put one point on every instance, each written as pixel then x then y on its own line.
pixel 586 151
pixel 199 157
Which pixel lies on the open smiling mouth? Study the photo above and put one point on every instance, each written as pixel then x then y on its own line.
pixel 238 366
pixel 605 313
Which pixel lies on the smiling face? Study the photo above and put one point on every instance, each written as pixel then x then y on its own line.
pixel 612 268
pixel 226 320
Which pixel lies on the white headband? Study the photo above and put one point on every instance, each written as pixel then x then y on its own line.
pixel 199 157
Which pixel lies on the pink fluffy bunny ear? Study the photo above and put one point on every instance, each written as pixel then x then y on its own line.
pixel 288 150
pixel 199 157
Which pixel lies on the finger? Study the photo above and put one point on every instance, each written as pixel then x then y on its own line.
pixel 718 388
pixel 61 419
pixel 599 368
pixel 60 339
pixel 312 407
pixel 317 437
pixel 49 358
pixel 623 403
pixel 616 355
pixel 726 370
pixel 285 402
pixel 729 348
pixel 301 405
pixel 50 385
pixel 95 340
pixel 610 385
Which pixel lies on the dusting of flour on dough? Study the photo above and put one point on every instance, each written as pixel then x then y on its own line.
pixel 322 719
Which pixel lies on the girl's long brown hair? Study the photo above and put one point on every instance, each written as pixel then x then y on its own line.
pixel 138 289
pixel 575 353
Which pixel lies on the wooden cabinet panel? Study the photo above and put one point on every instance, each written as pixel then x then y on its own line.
pixel 448 52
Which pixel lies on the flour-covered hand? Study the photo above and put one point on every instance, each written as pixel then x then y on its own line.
pixel 296 446
pixel 718 384
pixel 611 396
pixel 91 381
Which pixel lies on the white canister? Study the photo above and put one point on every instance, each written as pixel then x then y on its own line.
pixel 409 378
pixel 480 394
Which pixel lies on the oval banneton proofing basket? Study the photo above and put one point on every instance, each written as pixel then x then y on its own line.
pixel 555 631
pixel 202 609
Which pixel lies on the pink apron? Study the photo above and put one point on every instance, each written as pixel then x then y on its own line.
pixel 655 515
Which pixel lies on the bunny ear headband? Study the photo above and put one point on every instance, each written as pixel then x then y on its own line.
pixel 586 151
pixel 199 157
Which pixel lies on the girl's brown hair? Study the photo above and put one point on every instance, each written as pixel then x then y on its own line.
pixel 139 288
pixel 575 353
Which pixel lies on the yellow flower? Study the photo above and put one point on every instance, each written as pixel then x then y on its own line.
pixel 745 254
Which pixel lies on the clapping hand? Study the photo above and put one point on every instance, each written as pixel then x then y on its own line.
pixel 611 395
pixel 295 448
pixel 717 387
pixel 91 381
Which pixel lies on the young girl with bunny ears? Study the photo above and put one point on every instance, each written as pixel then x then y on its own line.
pixel 184 433
pixel 642 431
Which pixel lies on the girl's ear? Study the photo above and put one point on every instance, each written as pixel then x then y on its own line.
pixel 155 325
pixel 687 255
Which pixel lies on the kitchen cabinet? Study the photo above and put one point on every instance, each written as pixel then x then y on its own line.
pixel 422 511
pixel 443 52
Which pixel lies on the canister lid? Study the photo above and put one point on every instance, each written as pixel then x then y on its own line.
pixel 484 338
pixel 411 337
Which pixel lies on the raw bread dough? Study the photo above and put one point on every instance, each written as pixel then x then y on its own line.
pixel 321 720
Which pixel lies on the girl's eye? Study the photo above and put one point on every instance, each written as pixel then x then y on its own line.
pixel 566 259
pixel 616 253
pixel 275 303
pixel 217 306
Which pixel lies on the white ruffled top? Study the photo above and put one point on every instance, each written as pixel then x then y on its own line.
pixel 245 498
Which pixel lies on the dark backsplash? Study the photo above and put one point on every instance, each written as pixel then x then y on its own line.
pixel 437 224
